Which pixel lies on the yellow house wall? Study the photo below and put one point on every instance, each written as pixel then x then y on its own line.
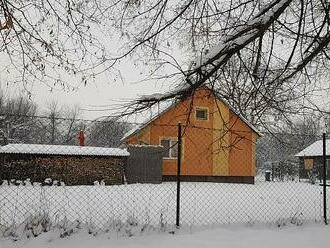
pixel 254 154
pixel 220 139
pixel 240 155
pixel 207 150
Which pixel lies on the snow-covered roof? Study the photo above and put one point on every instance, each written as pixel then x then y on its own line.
pixel 170 106
pixel 315 149
pixel 62 150
pixel 144 145
pixel 136 128
pixel 131 131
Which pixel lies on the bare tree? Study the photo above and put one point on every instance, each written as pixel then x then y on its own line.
pixel 72 125
pixel 58 124
pixel 261 55
pixel 53 112
pixel 107 132
pixel 15 118
pixel 51 41
pixel 295 136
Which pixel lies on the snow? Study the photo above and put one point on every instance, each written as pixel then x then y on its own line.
pixel 267 214
pixel 130 132
pixel 152 97
pixel 155 204
pixel 232 237
pixel 144 145
pixel 239 36
pixel 62 150
pixel 315 149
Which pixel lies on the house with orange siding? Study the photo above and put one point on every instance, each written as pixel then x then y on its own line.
pixel 218 145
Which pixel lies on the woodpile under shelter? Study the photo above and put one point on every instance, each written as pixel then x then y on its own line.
pixel 73 165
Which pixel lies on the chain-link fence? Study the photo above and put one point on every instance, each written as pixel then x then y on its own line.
pixel 227 186
pixel 122 176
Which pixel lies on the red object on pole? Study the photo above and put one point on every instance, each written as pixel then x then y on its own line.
pixel 81 138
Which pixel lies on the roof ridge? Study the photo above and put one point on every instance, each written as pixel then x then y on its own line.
pixel 315 149
pixel 146 123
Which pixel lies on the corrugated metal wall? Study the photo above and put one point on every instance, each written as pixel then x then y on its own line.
pixel 144 165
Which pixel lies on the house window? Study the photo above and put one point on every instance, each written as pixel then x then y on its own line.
pixel 309 164
pixel 170 148
pixel 201 114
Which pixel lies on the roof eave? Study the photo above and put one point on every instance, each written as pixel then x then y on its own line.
pixel 252 127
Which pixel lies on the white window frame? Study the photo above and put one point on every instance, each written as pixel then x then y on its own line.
pixel 172 142
pixel 203 109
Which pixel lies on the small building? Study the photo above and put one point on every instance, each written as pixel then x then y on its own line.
pixel 311 160
pixel 218 144
pixel 73 165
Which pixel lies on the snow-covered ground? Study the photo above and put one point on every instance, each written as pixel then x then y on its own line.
pixel 306 236
pixel 155 204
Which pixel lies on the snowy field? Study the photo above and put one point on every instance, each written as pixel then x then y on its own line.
pixel 306 236
pixel 155 204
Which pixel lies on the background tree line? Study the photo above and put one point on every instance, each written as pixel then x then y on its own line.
pixel 278 149
pixel 21 121
pixel 264 57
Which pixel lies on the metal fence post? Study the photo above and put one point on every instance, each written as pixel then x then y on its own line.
pixel 178 177
pixel 324 180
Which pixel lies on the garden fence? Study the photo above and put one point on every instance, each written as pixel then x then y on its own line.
pixel 56 172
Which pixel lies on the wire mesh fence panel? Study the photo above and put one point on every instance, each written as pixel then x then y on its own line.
pixel 85 178
pixel 326 138
pixel 227 186
pixel 110 174
pixel 96 205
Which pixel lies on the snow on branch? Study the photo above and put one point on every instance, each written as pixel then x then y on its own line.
pixel 208 65
pixel 240 38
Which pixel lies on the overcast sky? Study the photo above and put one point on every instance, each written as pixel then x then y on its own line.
pixel 97 98
pixel 105 92
pixel 100 94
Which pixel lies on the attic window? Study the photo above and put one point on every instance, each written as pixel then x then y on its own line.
pixel 201 114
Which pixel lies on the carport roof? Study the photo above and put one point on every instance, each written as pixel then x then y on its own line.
pixel 62 150
pixel 315 149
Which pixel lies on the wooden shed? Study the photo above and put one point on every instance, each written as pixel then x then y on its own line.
pixel 73 165
pixel 311 160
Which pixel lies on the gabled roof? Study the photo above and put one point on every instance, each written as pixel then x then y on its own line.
pixel 146 123
pixel 62 150
pixel 240 116
pixel 315 149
